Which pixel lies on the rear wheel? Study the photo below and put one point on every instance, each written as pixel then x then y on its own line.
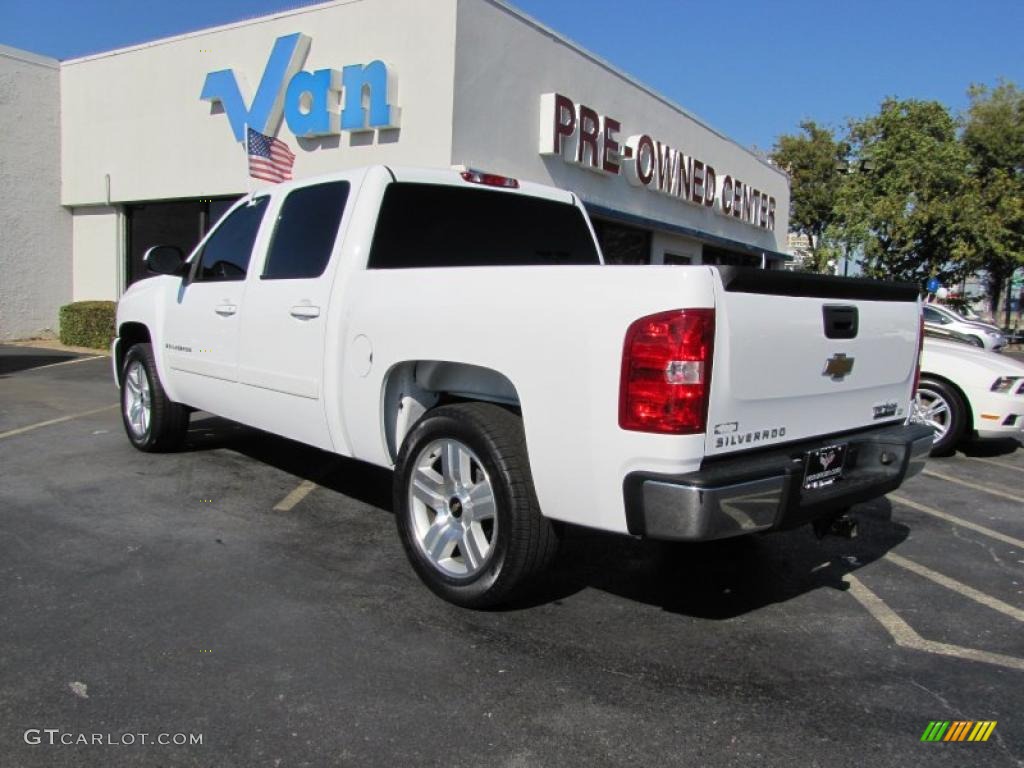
pixel 465 506
pixel 942 408
pixel 153 423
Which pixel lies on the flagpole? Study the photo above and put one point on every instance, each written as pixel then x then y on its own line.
pixel 245 145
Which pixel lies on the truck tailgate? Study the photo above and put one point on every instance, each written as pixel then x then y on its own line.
pixel 800 356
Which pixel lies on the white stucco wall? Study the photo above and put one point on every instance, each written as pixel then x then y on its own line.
pixel 504 63
pixel 136 115
pixel 96 236
pixel 35 232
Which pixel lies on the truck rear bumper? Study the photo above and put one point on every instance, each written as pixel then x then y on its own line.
pixel 763 490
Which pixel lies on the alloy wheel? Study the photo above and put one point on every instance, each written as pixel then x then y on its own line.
pixel 138 404
pixel 933 410
pixel 453 508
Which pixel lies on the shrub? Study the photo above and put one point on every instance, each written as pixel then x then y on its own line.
pixel 87 324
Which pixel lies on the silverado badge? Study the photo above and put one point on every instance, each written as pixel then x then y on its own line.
pixel 838 366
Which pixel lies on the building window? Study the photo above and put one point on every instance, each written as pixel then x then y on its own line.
pixel 621 244
pixel 677 259
pixel 181 223
pixel 721 257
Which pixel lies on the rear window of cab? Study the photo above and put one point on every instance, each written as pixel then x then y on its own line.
pixel 431 225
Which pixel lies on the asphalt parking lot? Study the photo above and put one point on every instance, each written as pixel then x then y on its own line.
pixel 253 591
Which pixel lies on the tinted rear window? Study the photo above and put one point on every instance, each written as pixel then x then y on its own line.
pixel 428 225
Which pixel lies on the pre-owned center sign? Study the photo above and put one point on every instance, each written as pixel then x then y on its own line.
pixel 583 136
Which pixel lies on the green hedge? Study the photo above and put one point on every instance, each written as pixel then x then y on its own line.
pixel 87 324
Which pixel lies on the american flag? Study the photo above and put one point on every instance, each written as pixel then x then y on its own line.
pixel 269 158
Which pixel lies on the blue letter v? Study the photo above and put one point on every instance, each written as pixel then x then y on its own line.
pixel 264 114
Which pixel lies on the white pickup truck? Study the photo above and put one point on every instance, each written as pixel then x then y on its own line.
pixel 462 329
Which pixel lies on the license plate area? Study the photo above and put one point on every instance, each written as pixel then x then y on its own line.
pixel 824 466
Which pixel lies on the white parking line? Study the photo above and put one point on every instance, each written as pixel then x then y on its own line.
pixel 974 486
pixel 905 636
pixel 1002 464
pixel 957 521
pixel 968 592
pixel 30 427
pixel 298 494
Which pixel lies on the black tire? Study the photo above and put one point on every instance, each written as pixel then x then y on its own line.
pixel 976 341
pixel 935 391
pixel 520 541
pixel 167 423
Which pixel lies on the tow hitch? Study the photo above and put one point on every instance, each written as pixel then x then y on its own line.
pixel 841 525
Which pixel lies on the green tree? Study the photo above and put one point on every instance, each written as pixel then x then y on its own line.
pixel 994 138
pixel 910 203
pixel 811 158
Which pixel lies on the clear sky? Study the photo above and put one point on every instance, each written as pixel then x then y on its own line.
pixel 751 69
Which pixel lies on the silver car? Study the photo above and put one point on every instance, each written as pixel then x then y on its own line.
pixel 989 336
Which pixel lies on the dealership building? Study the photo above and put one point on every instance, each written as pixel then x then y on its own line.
pixel 106 155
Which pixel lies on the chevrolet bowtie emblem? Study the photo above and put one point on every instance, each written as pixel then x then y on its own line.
pixel 838 366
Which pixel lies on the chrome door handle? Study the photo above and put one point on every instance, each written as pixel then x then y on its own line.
pixel 226 310
pixel 304 311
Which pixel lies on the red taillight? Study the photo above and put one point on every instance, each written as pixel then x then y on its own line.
pixel 920 351
pixel 489 179
pixel 666 372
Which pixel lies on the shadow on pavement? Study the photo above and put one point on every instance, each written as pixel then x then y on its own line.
pixel 15 359
pixel 987 448
pixel 358 480
pixel 720 579
pixel 715 580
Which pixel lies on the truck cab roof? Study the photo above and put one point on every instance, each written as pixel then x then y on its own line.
pixel 458 176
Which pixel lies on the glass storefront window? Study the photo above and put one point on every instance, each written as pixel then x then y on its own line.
pixel 621 244
pixel 721 257
pixel 181 223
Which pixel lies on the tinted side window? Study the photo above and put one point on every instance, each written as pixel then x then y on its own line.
pixel 934 317
pixel 226 254
pixel 428 225
pixel 305 231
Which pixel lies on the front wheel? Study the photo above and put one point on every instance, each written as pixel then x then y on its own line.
pixel 942 408
pixel 465 505
pixel 152 421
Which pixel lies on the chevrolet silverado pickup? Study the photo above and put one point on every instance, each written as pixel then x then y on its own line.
pixel 461 328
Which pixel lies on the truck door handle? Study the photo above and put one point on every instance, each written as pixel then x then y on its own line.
pixel 226 310
pixel 841 322
pixel 304 311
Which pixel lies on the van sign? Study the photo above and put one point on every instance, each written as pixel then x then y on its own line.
pixel 306 99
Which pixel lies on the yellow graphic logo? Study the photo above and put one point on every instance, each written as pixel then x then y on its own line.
pixel 958 730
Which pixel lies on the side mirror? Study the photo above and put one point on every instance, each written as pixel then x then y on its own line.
pixel 165 260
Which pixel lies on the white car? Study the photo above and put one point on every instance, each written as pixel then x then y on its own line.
pixel 968 391
pixel 981 334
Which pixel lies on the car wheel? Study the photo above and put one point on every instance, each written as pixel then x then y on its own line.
pixel 976 341
pixel 942 408
pixel 152 421
pixel 465 506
